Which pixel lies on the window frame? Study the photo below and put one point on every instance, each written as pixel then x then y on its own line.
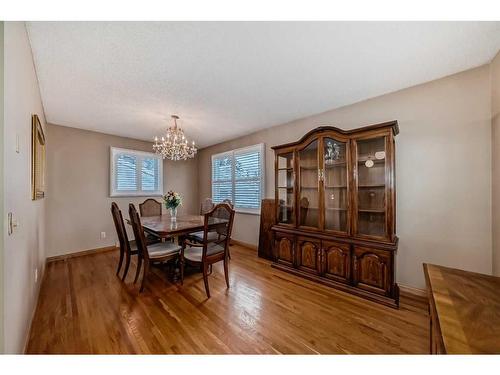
pixel 141 155
pixel 260 147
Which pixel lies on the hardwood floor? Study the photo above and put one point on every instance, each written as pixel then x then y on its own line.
pixel 85 308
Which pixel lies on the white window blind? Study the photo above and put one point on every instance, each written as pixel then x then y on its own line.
pixel 135 173
pixel 222 177
pixel 238 175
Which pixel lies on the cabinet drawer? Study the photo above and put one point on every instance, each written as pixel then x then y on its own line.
pixel 336 261
pixel 308 254
pixel 372 270
pixel 284 249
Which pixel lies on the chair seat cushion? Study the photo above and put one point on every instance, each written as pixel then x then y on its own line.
pixel 198 236
pixel 162 249
pixel 194 254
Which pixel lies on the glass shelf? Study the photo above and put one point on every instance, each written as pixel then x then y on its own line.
pixel 375 161
pixel 308 186
pixel 336 198
pixel 285 183
pixel 371 192
pixel 336 164
pixel 372 186
pixel 324 203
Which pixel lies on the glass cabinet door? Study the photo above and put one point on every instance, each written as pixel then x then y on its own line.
pixel 371 189
pixel 284 187
pixel 335 179
pixel 309 186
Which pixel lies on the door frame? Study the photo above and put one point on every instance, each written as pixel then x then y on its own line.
pixel 2 215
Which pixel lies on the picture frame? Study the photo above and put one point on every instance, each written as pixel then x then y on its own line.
pixel 37 159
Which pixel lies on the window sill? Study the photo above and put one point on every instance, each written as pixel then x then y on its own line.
pixel 135 195
pixel 246 212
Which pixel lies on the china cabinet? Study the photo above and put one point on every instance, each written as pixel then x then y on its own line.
pixel 335 209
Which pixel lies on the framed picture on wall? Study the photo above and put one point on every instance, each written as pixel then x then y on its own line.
pixel 37 159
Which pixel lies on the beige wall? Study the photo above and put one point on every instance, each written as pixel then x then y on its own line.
pixel 443 169
pixel 495 155
pixel 24 250
pixel 78 202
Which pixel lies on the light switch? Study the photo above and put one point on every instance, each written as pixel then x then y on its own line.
pixel 11 223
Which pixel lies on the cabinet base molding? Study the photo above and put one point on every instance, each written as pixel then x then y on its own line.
pixel 415 292
pixel 387 301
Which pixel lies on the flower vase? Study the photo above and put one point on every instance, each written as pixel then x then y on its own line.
pixel 173 213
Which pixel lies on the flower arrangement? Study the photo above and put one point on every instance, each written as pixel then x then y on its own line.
pixel 172 200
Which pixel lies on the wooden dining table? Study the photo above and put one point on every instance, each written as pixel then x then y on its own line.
pixel 464 311
pixel 164 227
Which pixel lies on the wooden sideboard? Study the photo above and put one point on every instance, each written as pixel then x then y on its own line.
pixel 335 219
pixel 464 311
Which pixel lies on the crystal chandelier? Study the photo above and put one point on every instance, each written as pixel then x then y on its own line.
pixel 174 145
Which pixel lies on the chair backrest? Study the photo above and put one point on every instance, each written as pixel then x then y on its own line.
pixel 120 227
pixel 150 207
pixel 206 206
pixel 140 238
pixel 228 201
pixel 221 211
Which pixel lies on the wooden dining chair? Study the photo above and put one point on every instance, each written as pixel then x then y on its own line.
pixel 150 207
pixel 127 249
pixel 206 206
pixel 156 253
pixel 213 235
pixel 210 252
pixel 224 215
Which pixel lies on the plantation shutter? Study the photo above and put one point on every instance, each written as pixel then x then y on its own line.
pixel 238 176
pixel 135 173
pixel 247 181
pixel 149 176
pixel 126 173
pixel 222 172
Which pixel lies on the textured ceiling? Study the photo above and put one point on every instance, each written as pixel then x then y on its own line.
pixel 227 79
